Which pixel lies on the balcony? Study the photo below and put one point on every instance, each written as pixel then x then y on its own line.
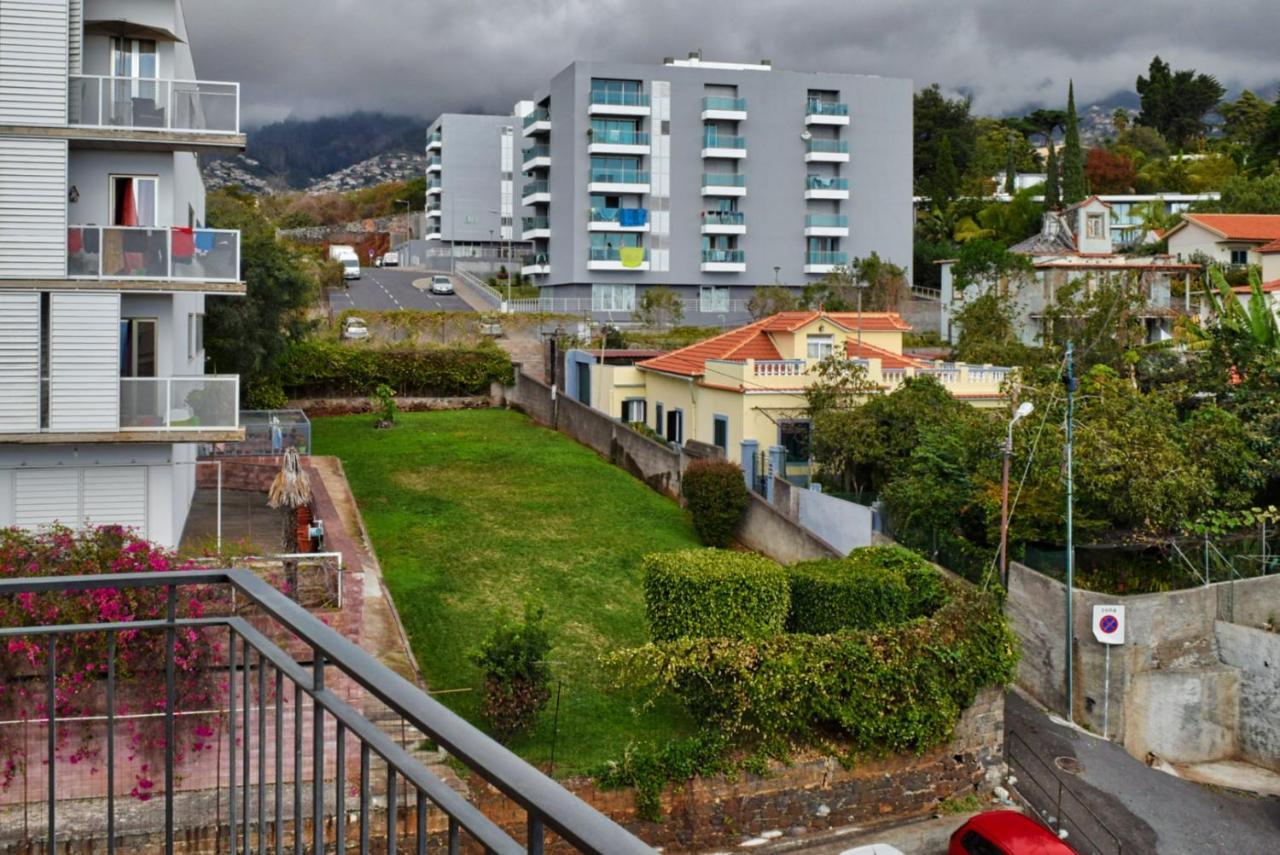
pixel 826 225
pixel 286 753
pixel 604 179
pixel 724 223
pixel 723 108
pixel 434 164
pixel 533 228
pixel 433 209
pixel 435 142
pixel 824 262
pixel 145 113
pixel 724 261
pixel 535 193
pixel 185 404
pixel 612 258
pixel 618 103
pixel 618 220
pixel 826 151
pixel 537 122
pixel 722 145
pixel 826 187
pixel 160 259
pixel 618 141
pixel 724 184
pixel 537 264
pixel 434 186
pixel 535 157
pixel 818 112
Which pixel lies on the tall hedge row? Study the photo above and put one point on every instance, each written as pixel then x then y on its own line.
pixel 316 369
pixel 710 593
pixel 872 587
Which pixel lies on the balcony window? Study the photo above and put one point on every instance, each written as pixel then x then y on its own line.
pixel 613 298
pixel 624 93
pixel 820 346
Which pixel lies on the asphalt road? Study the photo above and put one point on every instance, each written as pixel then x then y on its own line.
pixel 388 289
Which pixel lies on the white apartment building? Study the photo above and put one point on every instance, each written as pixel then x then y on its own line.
pixel 105 264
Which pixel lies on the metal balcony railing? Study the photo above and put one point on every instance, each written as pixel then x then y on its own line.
pixel 125 252
pixel 320 777
pixel 145 104
pixel 180 403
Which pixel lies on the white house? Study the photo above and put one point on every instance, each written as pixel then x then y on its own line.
pixel 1075 244
pixel 1225 238
pixel 105 264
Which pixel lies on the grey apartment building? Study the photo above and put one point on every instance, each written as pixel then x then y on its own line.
pixel 471 180
pixel 710 178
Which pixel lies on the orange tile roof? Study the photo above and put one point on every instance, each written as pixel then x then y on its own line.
pixel 1267 288
pixel 1274 246
pixel 1251 227
pixel 753 341
pixel 888 359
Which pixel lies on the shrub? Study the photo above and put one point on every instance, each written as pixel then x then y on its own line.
pixel 384 404
pixel 873 587
pixel 895 689
pixel 708 593
pixel 313 369
pixel 516 675
pixel 717 495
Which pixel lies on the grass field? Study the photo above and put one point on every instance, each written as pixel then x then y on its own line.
pixel 472 512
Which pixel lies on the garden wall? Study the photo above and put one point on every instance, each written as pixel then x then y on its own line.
pixel 1256 654
pixel 845 525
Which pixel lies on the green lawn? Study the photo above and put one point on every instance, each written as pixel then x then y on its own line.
pixel 478 510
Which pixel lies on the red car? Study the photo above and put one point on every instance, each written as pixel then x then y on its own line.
pixel 1005 832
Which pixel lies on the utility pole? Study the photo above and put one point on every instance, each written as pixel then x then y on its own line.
pixel 1024 410
pixel 1071 554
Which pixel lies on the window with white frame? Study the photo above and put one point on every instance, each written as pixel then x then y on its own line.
pixel 1239 256
pixel 633 411
pixel 821 346
pixel 613 298
pixel 1094 226
pixel 712 299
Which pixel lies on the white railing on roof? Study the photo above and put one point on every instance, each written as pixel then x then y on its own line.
pixel 779 367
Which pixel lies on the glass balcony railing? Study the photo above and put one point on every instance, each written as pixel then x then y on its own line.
pixel 540 259
pixel 826 108
pixel 144 104
pixel 724 256
pixel 827 147
pixel 538 115
pixel 823 182
pixel 536 151
pixel 619 98
pixel 437 137
pixel 723 179
pixel 180 403
pixel 622 216
pixel 535 187
pixel 434 161
pixel 117 252
pixel 716 102
pixel 611 253
pixel 618 136
pixel 826 221
pixel 832 258
pixel 608 175
pixel 531 223
pixel 433 183
pixel 724 218
pixel 723 141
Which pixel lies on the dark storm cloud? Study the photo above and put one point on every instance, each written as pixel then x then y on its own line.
pixel 420 57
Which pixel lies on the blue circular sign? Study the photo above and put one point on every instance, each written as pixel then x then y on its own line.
pixel 1108 624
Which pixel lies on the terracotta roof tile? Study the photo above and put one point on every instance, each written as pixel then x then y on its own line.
pixel 1274 246
pixel 1267 288
pixel 888 359
pixel 1252 227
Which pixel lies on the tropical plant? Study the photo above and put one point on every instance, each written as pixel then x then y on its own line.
pixel 517 675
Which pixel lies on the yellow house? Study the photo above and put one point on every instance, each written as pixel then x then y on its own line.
pixel 744 390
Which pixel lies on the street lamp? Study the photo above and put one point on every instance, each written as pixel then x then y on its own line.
pixel 1024 409
pixel 776 271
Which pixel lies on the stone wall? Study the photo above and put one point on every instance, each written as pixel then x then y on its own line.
pixel 766 529
pixel 1256 654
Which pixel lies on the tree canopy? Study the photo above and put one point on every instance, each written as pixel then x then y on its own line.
pixel 1176 102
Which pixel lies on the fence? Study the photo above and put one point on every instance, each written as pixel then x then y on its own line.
pixel 1055 803
pixel 279 744
pixel 267 433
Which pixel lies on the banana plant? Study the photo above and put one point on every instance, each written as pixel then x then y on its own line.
pixel 1256 319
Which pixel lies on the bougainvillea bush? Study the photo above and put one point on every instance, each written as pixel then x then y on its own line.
pixel 81 659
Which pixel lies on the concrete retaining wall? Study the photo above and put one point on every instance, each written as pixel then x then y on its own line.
pixel 845 525
pixel 1256 654
pixel 767 530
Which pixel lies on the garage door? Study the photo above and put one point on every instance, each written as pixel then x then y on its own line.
pixel 95 496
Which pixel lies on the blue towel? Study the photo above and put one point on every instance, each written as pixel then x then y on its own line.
pixel 204 241
pixel 632 216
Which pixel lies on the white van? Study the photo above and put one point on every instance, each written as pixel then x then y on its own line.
pixel 350 267
pixel 391 259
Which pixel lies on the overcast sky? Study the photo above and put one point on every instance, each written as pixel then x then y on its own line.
pixel 308 58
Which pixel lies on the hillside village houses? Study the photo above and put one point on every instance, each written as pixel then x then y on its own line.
pixel 1076 244
pixel 744 391
pixel 105 264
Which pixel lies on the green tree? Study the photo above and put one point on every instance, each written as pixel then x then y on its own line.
pixel 1120 119
pixel 988 331
pixel 1011 171
pixel 768 300
pixel 1104 317
pixel 1176 102
pixel 944 184
pixel 937 117
pixel 1142 143
pixel 1243 119
pixel 1052 193
pixel 659 308
pixel 1073 185
pixel 1265 151
pixel 1241 195
pixel 248 336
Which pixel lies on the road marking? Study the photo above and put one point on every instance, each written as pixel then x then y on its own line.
pixel 388 293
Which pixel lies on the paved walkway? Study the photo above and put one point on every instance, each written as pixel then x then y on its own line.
pixel 1150 811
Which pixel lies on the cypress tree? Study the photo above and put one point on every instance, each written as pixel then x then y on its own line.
pixel 1052 201
pixel 1073 184
pixel 1011 170
pixel 946 178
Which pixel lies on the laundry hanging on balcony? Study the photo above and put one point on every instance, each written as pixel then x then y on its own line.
pixel 631 256
pixel 632 216
pixel 184 245
pixel 204 241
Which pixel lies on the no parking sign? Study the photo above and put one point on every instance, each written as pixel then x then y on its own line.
pixel 1108 624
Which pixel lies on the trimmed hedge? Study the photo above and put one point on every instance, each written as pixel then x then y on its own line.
pixel 717 495
pixel 872 587
pixel 710 593
pixel 896 689
pixel 318 369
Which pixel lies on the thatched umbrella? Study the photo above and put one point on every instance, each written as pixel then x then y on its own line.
pixel 289 491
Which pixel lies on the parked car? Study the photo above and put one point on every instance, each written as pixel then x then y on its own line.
pixel 1005 832
pixel 441 285
pixel 350 267
pixel 355 329
pixel 377 262
pixel 391 259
